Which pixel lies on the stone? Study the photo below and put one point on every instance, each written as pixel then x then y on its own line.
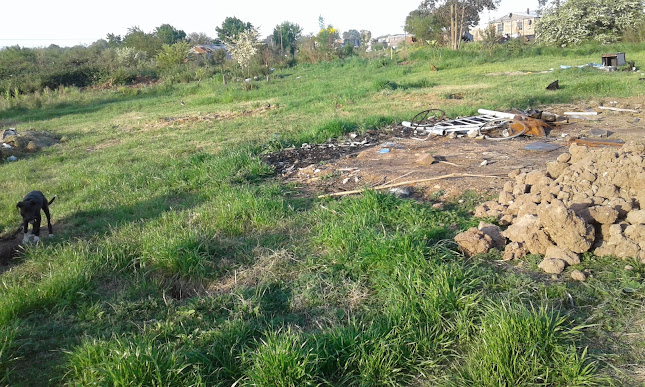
pixel 494 233
pixel 506 198
pixel 629 267
pixel 425 160
pixel 577 275
pixel 552 266
pixel 636 217
pixel 564 158
pixel 558 253
pixel 565 228
pixel 603 214
pixel 527 230
pixel 473 242
pixel 508 187
pixel 520 189
pixel 506 220
pixel 514 251
pixel 556 168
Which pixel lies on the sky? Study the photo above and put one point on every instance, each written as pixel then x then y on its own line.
pixel 39 23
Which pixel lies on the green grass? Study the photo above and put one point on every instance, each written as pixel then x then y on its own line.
pixel 180 260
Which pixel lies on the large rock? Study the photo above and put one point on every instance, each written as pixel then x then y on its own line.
pixel 565 228
pixel 552 266
pixel 636 217
pixel 603 214
pixel 473 242
pixel 494 233
pixel 569 257
pixel 514 250
pixel 527 230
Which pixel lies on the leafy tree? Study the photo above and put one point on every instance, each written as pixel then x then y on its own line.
pixel 168 34
pixel 244 47
pixel 141 41
pixel 426 26
pixel 577 21
pixel 199 38
pixel 114 40
pixel 366 37
pixel 285 36
pixel 172 55
pixel 456 16
pixel 231 28
pixel 352 36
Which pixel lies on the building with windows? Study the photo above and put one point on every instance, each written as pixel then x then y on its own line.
pixel 516 25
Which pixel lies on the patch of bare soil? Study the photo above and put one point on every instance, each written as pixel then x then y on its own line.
pixel 9 249
pixel 21 144
pixel 391 155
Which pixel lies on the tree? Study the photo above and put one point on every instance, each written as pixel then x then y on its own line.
pixel 577 21
pixel 352 36
pixel 426 26
pixel 285 36
pixel 459 15
pixel 199 38
pixel 172 55
pixel 231 28
pixel 114 40
pixel 168 34
pixel 141 41
pixel 244 47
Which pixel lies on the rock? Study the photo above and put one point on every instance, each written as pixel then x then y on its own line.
pixel 514 250
pixel 629 267
pixel 565 228
pixel 558 253
pixel 577 275
pixel 552 266
pixel 520 189
pixel 473 242
pixel 508 187
pixel 603 214
pixel 494 233
pixel 556 168
pixel 506 220
pixel 527 230
pixel 437 206
pixel 564 158
pixel 426 160
pixel 506 198
pixel 636 217
pixel 402 192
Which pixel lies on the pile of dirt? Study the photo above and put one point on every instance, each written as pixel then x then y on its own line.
pixel 20 144
pixel 287 161
pixel 586 201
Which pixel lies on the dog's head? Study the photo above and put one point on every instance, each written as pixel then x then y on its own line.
pixel 28 210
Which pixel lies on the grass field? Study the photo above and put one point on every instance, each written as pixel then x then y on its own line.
pixel 180 260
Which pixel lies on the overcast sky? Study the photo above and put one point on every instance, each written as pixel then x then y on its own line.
pixel 70 22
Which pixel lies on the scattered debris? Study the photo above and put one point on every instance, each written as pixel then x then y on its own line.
pixel 452 175
pixel 580 113
pixel 12 158
pixel 597 143
pixel 542 147
pixel 618 109
pixel 402 192
pixel 598 133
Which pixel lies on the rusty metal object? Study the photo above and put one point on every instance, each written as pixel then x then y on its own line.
pixel 531 127
pixel 597 143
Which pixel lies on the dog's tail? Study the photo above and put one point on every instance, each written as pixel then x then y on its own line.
pixel 51 201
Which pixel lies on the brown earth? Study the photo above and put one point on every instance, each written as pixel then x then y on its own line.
pixel 337 166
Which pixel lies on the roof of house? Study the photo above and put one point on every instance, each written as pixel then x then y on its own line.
pixel 516 16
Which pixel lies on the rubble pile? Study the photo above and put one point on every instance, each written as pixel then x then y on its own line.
pixel 588 200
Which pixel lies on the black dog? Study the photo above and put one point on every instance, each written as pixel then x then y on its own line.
pixel 30 207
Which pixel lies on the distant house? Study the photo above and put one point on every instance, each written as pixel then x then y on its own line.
pixel 395 40
pixel 208 49
pixel 516 25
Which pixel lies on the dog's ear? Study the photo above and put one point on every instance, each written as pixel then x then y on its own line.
pixel 19 205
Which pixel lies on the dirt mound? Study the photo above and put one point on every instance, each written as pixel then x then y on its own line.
pixel 586 201
pixel 20 144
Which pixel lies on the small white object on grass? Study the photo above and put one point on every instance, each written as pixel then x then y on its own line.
pixel 485 162
pixel 6 146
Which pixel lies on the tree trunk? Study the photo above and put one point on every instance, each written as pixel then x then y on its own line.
pixel 461 26
pixel 452 25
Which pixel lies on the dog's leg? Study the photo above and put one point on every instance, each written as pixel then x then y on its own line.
pixel 49 222
pixel 25 238
pixel 36 230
